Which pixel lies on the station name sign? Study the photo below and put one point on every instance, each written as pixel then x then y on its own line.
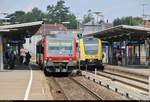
pixel 135 42
pixel 16 41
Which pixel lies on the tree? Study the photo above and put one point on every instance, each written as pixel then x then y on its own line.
pixel 34 15
pixel 89 17
pixel 128 21
pixel 56 14
pixel 22 17
pixel 60 13
pixel 73 22
pixel 18 16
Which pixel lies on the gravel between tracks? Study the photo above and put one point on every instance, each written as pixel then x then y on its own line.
pixel 72 90
pixel 56 90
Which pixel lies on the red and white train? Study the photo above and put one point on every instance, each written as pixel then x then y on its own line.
pixel 57 53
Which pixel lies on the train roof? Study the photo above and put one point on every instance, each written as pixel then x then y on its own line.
pixel 62 35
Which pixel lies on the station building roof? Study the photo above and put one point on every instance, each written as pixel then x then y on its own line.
pixel 21 30
pixel 122 33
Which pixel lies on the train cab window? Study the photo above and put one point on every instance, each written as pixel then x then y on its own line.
pixel 38 49
pixel 91 45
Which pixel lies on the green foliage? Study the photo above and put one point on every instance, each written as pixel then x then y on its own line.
pixel 87 18
pixel 55 14
pixel 73 22
pixel 22 17
pixel 59 13
pixel 18 16
pixel 34 15
pixel 128 21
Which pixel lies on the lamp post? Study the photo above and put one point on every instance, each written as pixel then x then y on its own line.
pixel 143 12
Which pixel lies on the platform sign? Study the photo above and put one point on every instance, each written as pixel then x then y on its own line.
pixel 135 42
pixel 15 42
pixel 116 45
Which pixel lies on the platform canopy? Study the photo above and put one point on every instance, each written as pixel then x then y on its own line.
pixel 20 30
pixel 122 33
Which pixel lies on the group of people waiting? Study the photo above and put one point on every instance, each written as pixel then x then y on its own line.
pixel 12 57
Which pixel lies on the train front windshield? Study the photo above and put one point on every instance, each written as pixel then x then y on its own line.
pixel 59 46
pixel 91 46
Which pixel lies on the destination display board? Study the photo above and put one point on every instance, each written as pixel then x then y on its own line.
pixel 15 42
pixel 135 42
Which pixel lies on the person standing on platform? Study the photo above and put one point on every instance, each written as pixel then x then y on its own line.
pixel 28 57
pixel 7 56
pixel 22 55
pixel 12 59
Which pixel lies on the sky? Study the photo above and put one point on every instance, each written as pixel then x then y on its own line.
pixel 111 8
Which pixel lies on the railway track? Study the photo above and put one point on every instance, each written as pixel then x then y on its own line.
pixel 80 88
pixel 73 90
pixel 142 85
pixel 89 90
pixel 125 83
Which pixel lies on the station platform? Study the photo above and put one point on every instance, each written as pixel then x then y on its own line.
pixel 24 83
pixel 134 69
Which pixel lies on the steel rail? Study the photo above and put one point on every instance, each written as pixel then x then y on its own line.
pixel 87 89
